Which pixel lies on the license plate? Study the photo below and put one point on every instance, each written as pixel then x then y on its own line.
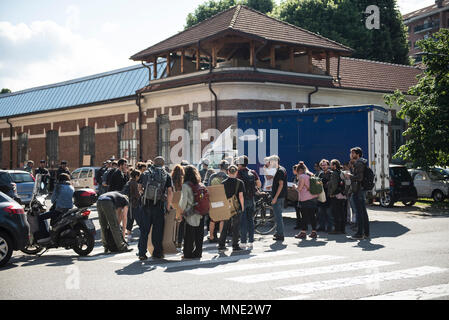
pixel 405 183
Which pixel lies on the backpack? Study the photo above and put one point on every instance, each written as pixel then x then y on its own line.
pixel 249 180
pixel 155 187
pixel 368 179
pixel 217 179
pixel 201 203
pixel 341 187
pixel 316 185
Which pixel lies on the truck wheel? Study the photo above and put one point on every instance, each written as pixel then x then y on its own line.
pixel 438 196
pixel 386 201
pixel 5 248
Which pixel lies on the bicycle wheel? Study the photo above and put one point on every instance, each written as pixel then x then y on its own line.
pixel 264 222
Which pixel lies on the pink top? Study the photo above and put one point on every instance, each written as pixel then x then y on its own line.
pixel 303 188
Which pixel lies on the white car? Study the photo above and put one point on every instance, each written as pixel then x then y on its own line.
pixel 433 183
pixel 85 178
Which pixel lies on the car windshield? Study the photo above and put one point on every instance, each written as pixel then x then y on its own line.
pixel 5 198
pixel 19 177
pixel 401 173
pixel 439 174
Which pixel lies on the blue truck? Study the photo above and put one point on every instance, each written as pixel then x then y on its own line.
pixel 313 134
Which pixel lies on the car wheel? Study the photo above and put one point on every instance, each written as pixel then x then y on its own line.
pixel 386 201
pixel 438 196
pixel 408 203
pixel 5 248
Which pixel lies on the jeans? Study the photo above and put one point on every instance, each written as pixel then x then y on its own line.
pixel 339 213
pixel 107 217
pixel 151 216
pixel 353 208
pixel 234 221
pixel 277 210
pixel 325 219
pixel 247 222
pixel 361 213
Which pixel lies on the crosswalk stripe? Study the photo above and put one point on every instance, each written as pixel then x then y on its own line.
pixel 242 267
pixel 311 271
pixel 310 287
pixel 425 293
pixel 296 298
pixel 213 259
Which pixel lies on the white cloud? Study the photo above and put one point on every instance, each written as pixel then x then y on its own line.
pixel 44 52
pixel 73 17
pixel 109 27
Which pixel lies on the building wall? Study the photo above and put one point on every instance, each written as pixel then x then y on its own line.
pixel 105 119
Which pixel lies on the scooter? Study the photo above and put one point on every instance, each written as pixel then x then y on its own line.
pixel 71 230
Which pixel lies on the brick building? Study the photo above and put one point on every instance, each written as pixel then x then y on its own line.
pixel 424 22
pixel 238 60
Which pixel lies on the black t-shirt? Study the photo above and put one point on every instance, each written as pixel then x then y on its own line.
pixel 116 197
pixel 281 174
pixel 229 185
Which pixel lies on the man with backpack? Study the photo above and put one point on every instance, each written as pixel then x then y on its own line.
pixel 358 175
pixel 337 196
pixel 251 182
pixel 279 193
pixel 156 188
pixel 325 218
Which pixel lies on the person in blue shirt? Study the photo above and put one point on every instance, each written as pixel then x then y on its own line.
pixel 62 200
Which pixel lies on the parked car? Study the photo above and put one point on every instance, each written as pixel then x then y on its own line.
pixel 433 183
pixel 401 187
pixel 8 186
pixel 85 178
pixel 14 228
pixel 25 184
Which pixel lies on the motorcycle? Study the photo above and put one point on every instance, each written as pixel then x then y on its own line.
pixel 71 230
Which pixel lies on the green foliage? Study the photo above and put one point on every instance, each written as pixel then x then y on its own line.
pixel 427 135
pixel 212 7
pixel 5 90
pixel 344 21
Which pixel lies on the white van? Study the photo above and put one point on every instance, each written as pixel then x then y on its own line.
pixel 85 178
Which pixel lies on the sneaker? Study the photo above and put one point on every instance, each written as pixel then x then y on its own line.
pixel 126 249
pixel 313 235
pixel 278 237
pixel 143 258
pixel 357 237
pixel 222 249
pixel 106 251
pixel 301 235
pixel 249 246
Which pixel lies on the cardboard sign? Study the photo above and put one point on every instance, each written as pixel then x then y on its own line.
pixel 168 241
pixel 219 205
pixel 86 160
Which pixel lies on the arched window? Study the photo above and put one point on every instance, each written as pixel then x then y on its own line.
pixel 87 146
pixel 127 142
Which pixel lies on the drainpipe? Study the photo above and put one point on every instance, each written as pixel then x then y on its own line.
pixel 139 96
pixel 338 71
pixel 10 143
pixel 310 96
pixel 149 71
pixel 213 92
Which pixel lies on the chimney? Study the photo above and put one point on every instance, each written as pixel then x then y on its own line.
pixel 439 3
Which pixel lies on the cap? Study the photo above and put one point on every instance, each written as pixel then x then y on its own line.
pixel 224 164
pixel 184 163
pixel 205 161
pixel 63 162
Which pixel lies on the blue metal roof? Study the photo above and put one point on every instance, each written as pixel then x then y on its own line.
pixel 87 90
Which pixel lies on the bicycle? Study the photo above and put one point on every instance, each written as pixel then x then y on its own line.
pixel 264 222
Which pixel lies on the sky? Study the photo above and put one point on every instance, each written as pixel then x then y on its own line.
pixel 49 41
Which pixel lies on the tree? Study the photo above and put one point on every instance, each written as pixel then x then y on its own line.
pixel 5 90
pixel 428 126
pixel 344 21
pixel 213 7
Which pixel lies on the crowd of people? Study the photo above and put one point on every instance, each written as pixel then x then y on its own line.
pixel 144 195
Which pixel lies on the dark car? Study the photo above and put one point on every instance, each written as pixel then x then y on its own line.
pixel 14 228
pixel 8 186
pixel 24 184
pixel 401 188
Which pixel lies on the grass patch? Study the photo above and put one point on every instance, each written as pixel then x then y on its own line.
pixel 429 205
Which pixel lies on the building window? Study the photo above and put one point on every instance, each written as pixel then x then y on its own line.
pixel 22 149
pixel 87 146
pixel 163 146
pixel 191 124
pixel 398 126
pixel 127 142
pixel 52 144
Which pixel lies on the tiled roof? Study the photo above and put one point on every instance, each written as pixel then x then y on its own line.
pixel 244 21
pixel 372 75
pixel 116 84
pixel 425 10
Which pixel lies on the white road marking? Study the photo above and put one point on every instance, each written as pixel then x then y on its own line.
pixel 242 267
pixel 425 293
pixel 296 298
pixel 311 287
pixel 212 259
pixel 311 271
